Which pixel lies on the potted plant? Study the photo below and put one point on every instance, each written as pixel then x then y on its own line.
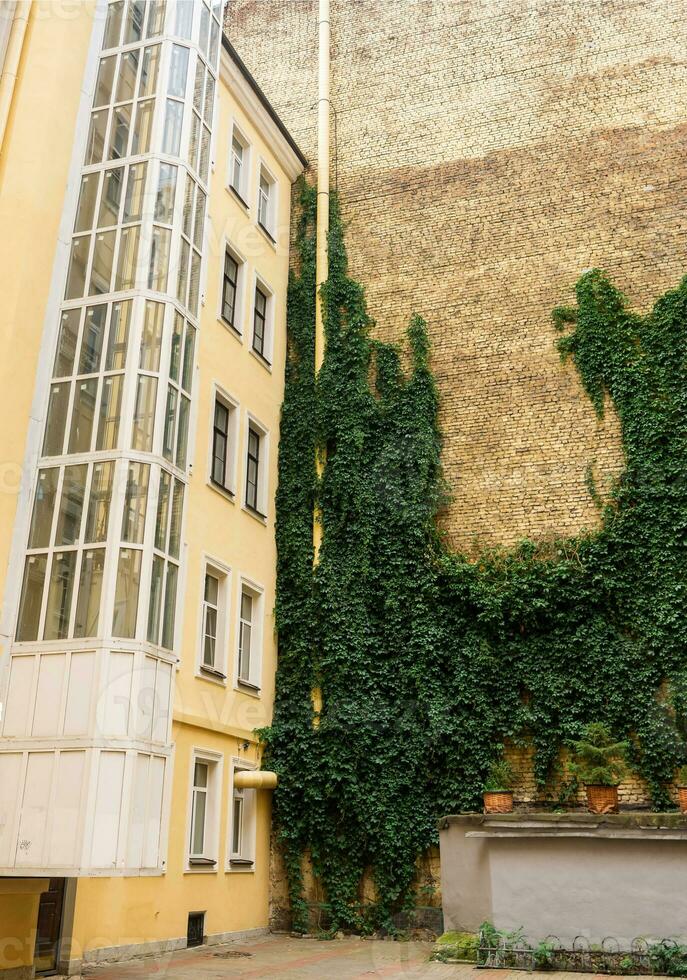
pixel 599 763
pixel 681 783
pixel 498 788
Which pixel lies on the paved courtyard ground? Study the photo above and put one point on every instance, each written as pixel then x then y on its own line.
pixel 285 958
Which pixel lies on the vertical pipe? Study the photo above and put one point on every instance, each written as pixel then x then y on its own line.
pixel 10 68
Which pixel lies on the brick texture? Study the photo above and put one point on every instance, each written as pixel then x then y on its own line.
pixel 487 152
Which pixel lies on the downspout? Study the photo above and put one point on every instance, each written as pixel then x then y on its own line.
pixel 321 257
pixel 10 68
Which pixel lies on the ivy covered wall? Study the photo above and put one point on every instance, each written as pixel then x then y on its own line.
pixel 428 662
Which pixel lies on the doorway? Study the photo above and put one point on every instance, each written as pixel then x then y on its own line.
pixel 49 927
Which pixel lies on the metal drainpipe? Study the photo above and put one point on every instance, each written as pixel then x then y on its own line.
pixel 10 68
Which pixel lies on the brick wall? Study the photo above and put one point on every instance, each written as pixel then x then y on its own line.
pixel 488 152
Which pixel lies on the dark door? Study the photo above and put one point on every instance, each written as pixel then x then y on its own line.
pixel 49 926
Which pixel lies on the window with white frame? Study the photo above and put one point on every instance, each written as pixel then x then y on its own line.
pixel 256 470
pixel 242 825
pixel 266 202
pixel 206 781
pixel 262 322
pixel 231 281
pixel 239 164
pixel 214 616
pixel 249 654
pixel 224 440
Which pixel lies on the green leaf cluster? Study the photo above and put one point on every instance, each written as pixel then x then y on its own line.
pixel 598 759
pixel 427 662
pixel 502 777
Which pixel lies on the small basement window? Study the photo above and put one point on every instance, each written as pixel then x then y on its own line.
pixel 195 931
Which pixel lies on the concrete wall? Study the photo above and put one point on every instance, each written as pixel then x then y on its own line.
pixel 612 878
pixel 488 152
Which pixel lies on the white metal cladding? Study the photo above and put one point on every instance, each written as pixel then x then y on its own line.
pixel 85 736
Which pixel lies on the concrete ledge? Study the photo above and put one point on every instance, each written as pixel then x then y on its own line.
pixel 622 826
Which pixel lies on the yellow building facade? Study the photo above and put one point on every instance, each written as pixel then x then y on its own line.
pixel 145 200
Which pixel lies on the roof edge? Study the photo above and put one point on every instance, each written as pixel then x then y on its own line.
pixel 236 58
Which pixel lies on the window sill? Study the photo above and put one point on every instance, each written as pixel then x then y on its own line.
pixel 222 491
pixel 267 234
pixel 239 198
pixel 241 864
pixel 256 514
pixel 231 329
pixel 262 359
pixel 247 687
pixel 211 673
pixel 202 863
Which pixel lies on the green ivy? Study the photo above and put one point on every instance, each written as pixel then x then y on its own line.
pixel 428 662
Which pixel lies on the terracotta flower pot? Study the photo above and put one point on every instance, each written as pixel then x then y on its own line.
pixel 602 799
pixel 682 798
pixel 498 801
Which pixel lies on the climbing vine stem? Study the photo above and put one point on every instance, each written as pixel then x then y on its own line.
pixel 428 662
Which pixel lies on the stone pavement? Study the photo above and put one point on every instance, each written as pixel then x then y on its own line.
pixel 286 958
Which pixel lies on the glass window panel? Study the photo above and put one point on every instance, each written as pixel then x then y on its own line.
pixel 92 339
pixel 118 338
pixel 151 338
pixel 175 357
pixel 96 137
pixel 162 510
pixel 113 25
pixel 214 42
pixel 99 501
pixel 156 17
pixel 144 417
pixel 59 595
pixel 220 432
pixel 103 85
pixel 31 597
pixel 182 433
pixel 128 70
pixel 178 70
pixel 170 419
pixel 135 503
pixel 175 519
pixel 43 507
pixel 66 344
pixel 159 259
pixel 184 19
pixel 111 197
pixel 188 207
pixel 71 505
pixel 247 607
pixel 194 283
pixel 101 268
pixel 76 278
pixel 58 404
pixel 204 164
pixel 89 591
pixel 135 188
pixel 198 86
pixel 199 219
pixel 237 825
pixel 244 651
pixel 209 100
pixel 126 593
pixel 236 164
pixel 83 414
pixel 169 606
pixel 198 836
pixel 182 278
pixel 142 128
pixel 209 636
pixel 164 202
pixel 119 133
pixel 127 258
pixel 135 15
pixel 155 603
pixel 87 196
pixel 217 6
pixel 194 140
pixel 211 588
pixel 189 343
pixel 110 412
pixel 200 775
pixel 171 137
pixel 204 35
pixel 151 64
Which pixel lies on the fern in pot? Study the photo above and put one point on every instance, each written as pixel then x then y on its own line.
pixel 681 784
pixel 498 788
pixel 600 763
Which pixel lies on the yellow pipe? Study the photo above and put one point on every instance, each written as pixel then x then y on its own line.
pixel 255 779
pixel 10 68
